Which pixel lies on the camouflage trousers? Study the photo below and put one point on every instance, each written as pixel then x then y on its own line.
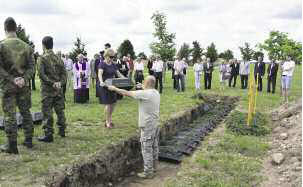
pixel 48 104
pixel 20 98
pixel 150 147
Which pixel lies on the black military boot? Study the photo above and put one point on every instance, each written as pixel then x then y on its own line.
pixel 46 138
pixel 61 133
pixel 28 142
pixel 10 148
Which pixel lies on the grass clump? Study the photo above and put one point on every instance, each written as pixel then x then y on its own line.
pixel 237 123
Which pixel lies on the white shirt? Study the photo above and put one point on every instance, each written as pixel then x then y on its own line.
pixel 197 67
pixel 68 64
pixel 288 68
pixel 139 66
pixel 244 68
pixel 179 65
pixel 158 66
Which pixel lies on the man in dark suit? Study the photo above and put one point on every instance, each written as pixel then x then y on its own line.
pixel 272 71
pixel 259 72
pixel 235 67
pixel 208 70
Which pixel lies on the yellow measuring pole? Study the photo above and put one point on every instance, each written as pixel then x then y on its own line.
pixel 251 99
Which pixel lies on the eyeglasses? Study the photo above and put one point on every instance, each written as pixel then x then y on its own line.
pixel 111 57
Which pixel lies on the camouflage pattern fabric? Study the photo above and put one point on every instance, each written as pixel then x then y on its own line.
pixel 48 104
pixel 51 70
pixel 16 60
pixel 150 147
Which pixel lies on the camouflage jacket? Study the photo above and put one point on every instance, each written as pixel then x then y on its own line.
pixel 51 70
pixel 16 60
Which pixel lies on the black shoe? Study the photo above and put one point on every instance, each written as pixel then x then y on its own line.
pixel 28 142
pixel 47 139
pixel 10 148
pixel 61 133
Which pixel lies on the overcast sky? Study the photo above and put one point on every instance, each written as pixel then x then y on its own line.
pixel 227 23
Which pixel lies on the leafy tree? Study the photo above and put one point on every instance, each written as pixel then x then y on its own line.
pixel 21 34
pixel 184 52
pixel 79 49
pixel 278 46
pixel 211 52
pixel 196 51
pixel 294 49
pixel 247 52
pixel 164 46
pixel 258 54
pixel 227 55
pixel 142 55
pixel 126 48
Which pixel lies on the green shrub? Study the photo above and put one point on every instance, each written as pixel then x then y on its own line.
pixel 237 123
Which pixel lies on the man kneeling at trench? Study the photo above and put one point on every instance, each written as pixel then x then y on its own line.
pixel 149 105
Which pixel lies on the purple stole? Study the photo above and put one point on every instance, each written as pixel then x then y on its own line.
pixel 83 68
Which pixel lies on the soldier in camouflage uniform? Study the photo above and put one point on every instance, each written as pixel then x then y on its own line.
pixel 16 70
pixel 52 75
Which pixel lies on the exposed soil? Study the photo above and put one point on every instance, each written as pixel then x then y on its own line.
pixel 166 170
pixel 286 139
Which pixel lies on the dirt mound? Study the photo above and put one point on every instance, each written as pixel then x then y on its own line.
pixel 282 166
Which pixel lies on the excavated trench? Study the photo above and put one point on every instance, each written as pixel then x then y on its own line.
pixel 179 137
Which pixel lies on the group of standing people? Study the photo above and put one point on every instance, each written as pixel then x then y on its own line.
pixel 234 68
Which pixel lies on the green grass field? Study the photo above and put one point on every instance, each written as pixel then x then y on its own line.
pixel 86 133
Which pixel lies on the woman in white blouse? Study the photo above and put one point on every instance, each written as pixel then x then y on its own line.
pixel 139 69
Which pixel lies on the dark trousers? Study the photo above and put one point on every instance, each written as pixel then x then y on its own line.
pixel 180 82
pixel 175 79
pixel 232 77
pixel 139 76
pixel 207 80
pixel 260 86
pixel 150 72
pixel 32 84
pixel 175 82
pixel 158 76
pixel 64 90
pixel 271 83
pixel 244 81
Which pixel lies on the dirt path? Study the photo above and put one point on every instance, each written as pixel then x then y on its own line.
pixel 165 171
pixel 286 139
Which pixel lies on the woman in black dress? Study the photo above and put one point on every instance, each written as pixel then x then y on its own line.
pixel 108 70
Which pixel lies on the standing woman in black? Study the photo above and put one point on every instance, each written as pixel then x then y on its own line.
pixel 108 70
